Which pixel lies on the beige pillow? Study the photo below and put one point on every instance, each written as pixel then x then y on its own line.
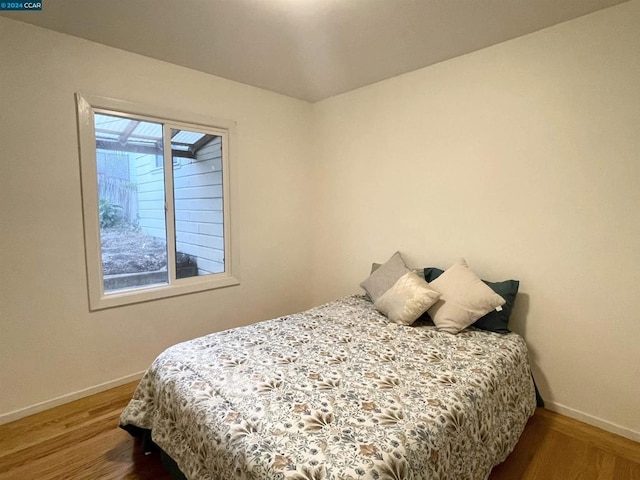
pixel 407 299
pixel 384 277
pixel 465 298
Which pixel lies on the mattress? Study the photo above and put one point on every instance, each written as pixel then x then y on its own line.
pixel 337 392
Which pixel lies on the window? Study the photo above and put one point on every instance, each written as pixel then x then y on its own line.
pixel 157 195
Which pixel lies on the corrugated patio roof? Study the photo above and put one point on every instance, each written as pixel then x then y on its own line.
pixel 131 135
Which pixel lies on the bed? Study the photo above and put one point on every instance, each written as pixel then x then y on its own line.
pixel 337 392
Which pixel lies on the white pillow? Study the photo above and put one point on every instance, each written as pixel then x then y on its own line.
pixel 407 299
pixel 465 298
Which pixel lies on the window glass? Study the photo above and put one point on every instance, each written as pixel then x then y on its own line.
pixel 133 236
pixel 156 202
pixel 198 203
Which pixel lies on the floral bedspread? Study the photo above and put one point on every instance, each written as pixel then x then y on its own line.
pixel 338 393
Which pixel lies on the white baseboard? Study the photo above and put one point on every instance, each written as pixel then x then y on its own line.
pixel 69 397
pixel 595 421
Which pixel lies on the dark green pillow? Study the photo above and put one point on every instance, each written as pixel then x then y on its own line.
pixel 493 321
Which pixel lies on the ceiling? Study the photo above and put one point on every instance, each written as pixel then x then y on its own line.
pixel 308 49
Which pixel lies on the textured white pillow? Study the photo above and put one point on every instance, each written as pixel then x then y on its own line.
pixel 465 298
pixel 384 277
pixel 407 299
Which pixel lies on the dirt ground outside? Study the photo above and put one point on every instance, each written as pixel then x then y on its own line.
pixel 127 250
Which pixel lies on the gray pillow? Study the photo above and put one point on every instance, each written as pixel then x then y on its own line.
pixel 385 277
pixel 420 272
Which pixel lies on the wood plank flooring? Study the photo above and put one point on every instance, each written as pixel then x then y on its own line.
pixel 81 441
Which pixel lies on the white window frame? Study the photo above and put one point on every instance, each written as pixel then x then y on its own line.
pixel 87 105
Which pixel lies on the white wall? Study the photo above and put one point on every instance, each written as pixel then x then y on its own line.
pixel 50 345
pixel 524 158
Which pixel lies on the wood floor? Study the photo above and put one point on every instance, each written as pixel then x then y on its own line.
pixel 81 441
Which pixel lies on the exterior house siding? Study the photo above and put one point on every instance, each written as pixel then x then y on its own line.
pixel 198 203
